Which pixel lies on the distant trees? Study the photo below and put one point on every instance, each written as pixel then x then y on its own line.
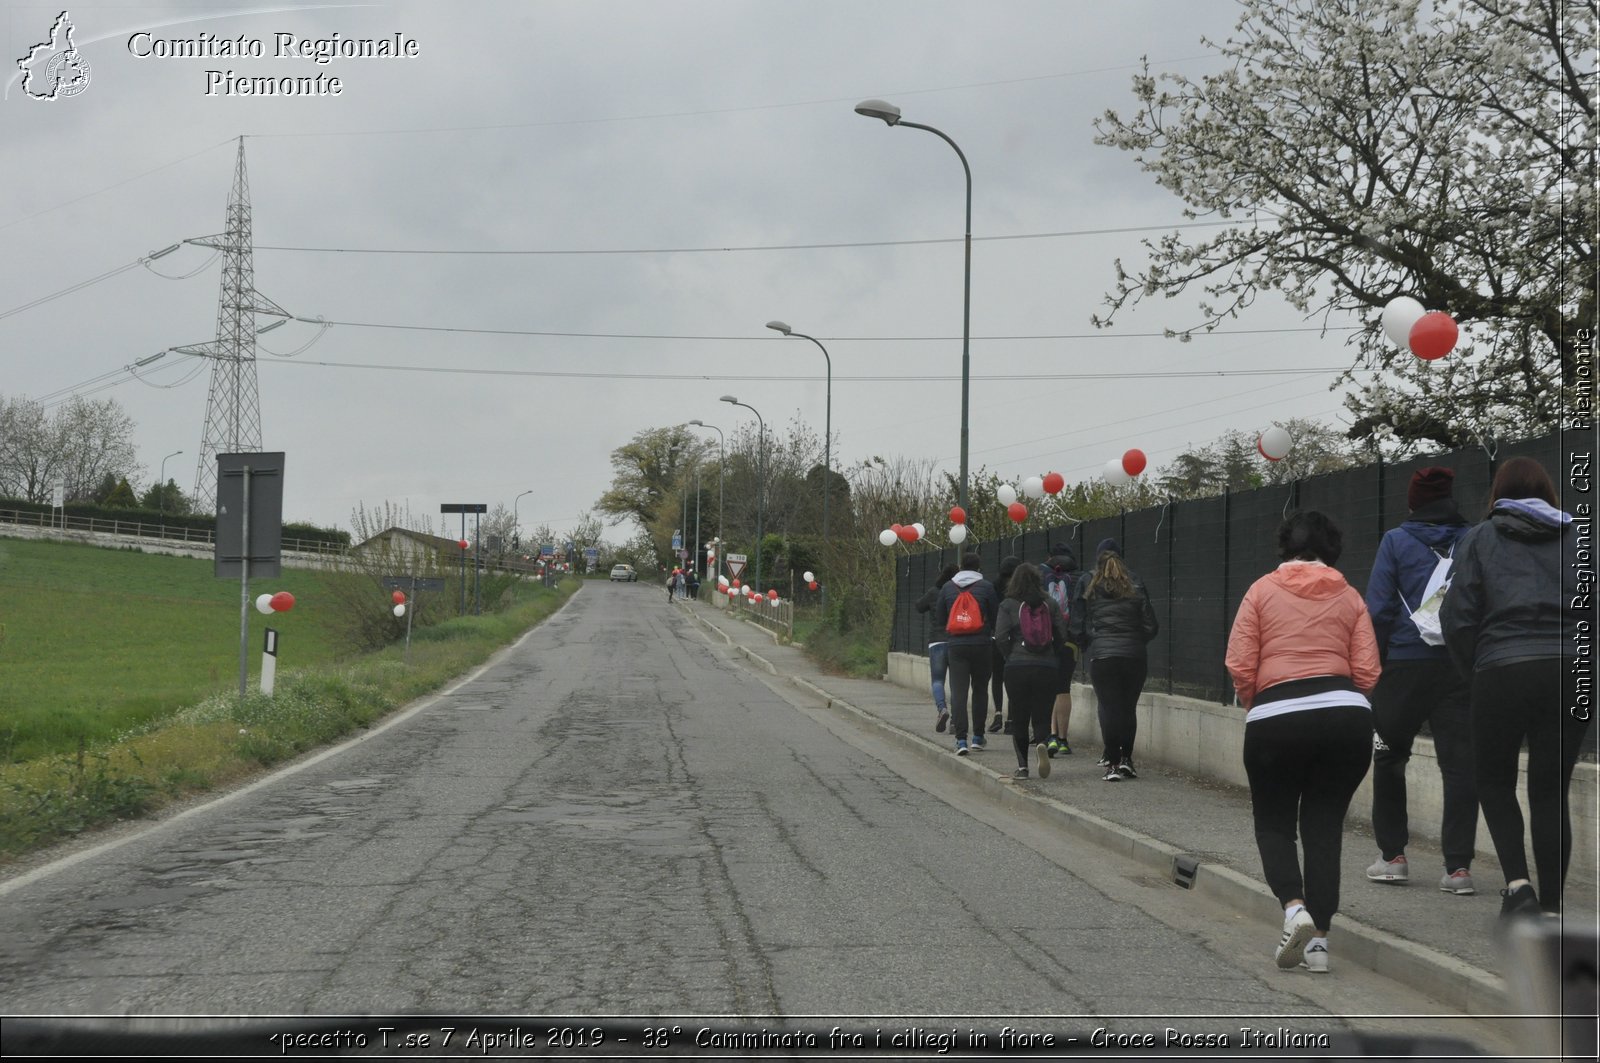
pixel 81 442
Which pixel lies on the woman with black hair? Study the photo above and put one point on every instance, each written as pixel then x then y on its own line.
pixel 1029 633
pixel 1112 621
pixel 1509 618
pixel 1303 658
pixel 997 676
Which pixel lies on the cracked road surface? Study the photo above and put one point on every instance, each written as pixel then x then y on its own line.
pixel 617 817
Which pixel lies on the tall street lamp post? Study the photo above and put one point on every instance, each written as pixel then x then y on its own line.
pixel 161 490
pixel 890 114
pixel 761 478
pixel 722 479
pixel 827 443
pixel 516 521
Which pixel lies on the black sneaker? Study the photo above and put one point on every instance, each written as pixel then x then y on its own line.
pixel 1125 769
pixel 1519 902
pixel 1006 727
pixel 943 722
pixel 997 723
pixel 1020 773
pixel 1111 775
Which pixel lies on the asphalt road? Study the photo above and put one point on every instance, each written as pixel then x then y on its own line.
pixel 616 817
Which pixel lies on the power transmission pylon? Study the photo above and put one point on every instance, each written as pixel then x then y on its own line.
pixel 233 409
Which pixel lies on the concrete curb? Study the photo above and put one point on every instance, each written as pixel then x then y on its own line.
pixel 1447 979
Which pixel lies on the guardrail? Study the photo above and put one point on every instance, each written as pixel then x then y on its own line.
pixel 204 537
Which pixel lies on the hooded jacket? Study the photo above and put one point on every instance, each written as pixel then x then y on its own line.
pixel 1406 559
pixel 1301 620
pixel 1515 590
pixel 988 605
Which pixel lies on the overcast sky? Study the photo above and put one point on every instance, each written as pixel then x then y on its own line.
pixel 615 126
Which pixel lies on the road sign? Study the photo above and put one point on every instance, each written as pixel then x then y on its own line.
pixel 464 507
pixel 677 541
pixel 736 564
pixel 591 552
pixel 265 533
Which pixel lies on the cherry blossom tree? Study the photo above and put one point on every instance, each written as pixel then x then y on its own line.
pixel 1368 149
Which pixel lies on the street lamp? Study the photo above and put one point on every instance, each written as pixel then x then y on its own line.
pixel 161 488
pixel 890 114
pixel 761 478
pixel 827 440
pixel 722 479
pixel 516 521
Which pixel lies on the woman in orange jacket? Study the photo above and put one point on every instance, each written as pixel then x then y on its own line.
pixel 1303 658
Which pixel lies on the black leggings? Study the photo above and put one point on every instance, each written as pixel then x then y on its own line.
pixel 1533 700
pixel 1032 690
pixel 1117 684
pixel 970 663
pixel 1304 767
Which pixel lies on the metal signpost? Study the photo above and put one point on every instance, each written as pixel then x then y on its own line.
pixel 249 530
pixel 411 585
pixel 464 508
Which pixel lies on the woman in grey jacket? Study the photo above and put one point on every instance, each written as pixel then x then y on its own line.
pixel 1031 664
pixel 1112 620
pixel 1513 606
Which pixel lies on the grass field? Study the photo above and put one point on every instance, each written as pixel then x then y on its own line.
pixel 119 680
pixel 95 643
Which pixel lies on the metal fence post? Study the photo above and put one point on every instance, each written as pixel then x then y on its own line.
pixel 1227 543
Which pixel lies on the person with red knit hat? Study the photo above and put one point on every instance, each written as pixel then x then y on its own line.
pixel 1419 685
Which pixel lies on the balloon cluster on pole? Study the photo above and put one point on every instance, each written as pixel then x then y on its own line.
pixel 906 533
pixel 1427 334
pixel 399 600
pixel 267 604
pixel 811 580
pixel 1119 471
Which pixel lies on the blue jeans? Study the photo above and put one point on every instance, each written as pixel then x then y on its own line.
pixel 938 666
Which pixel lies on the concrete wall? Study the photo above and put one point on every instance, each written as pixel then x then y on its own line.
pixel 145 544
pixel 1207 739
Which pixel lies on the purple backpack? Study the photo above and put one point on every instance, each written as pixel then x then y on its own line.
pixel 1033 621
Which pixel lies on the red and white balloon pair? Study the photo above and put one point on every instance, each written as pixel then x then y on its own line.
pixel 1426 334
pixel 268 604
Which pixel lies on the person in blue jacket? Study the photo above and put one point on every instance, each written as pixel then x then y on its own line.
pixel 971 653
pixel 1419 685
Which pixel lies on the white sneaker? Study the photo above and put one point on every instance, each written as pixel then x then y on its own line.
pixel 1298 930
pixel 1041 761
pixel 1316 960
pixel 1458 882
pixel 1395 871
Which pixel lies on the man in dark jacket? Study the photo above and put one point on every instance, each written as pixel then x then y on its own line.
pixel 1419 684
pixel 971 652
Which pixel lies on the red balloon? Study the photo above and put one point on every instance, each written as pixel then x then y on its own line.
pixel 1434 335
pixel 1053 482
pixel 895 528
pixel 1017 511
pixel 1133 462
pixel 908 534
pixel 812 585
pixel 398 597
pixel 735 584
pixel 772 594
pixel 463 544
pixel 958 515
pixel 282 602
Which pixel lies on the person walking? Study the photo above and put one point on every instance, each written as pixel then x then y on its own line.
pixel 997 676
pixel 672 585
pixel 1061 575
pixel 938 647
pixel 1112 622
pixel 1303 657
pixel 1514 593
pixel 1419 685
pixel 1029 632
pixel 965 612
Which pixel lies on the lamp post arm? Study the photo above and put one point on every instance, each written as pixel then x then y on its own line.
pixel 827 445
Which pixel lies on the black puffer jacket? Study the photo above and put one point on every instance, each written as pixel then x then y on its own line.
pixel 1112 627
pixel 1514 588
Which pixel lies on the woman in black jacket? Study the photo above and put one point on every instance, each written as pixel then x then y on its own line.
pixel 1509 618
pixel 997 678
pixel 1030 641
pixel 1112 620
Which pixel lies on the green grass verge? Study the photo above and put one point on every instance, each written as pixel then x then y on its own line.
pixel 858 653
pixel 219 739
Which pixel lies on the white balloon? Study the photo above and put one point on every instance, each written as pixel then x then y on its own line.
pixel 264 604
pixel 958 533
pixel 1115 474
pixel 887 537
pixel 722 580
pixel 1398 317
pixel 808 576
pixel 400 610
pixel 1033 487
pixel 1274 443
pixel 1007 494
pixel 921 531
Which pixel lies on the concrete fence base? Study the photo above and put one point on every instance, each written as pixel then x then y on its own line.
pixel 1206 739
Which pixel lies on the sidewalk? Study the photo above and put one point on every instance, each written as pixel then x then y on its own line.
pixel 1438 943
